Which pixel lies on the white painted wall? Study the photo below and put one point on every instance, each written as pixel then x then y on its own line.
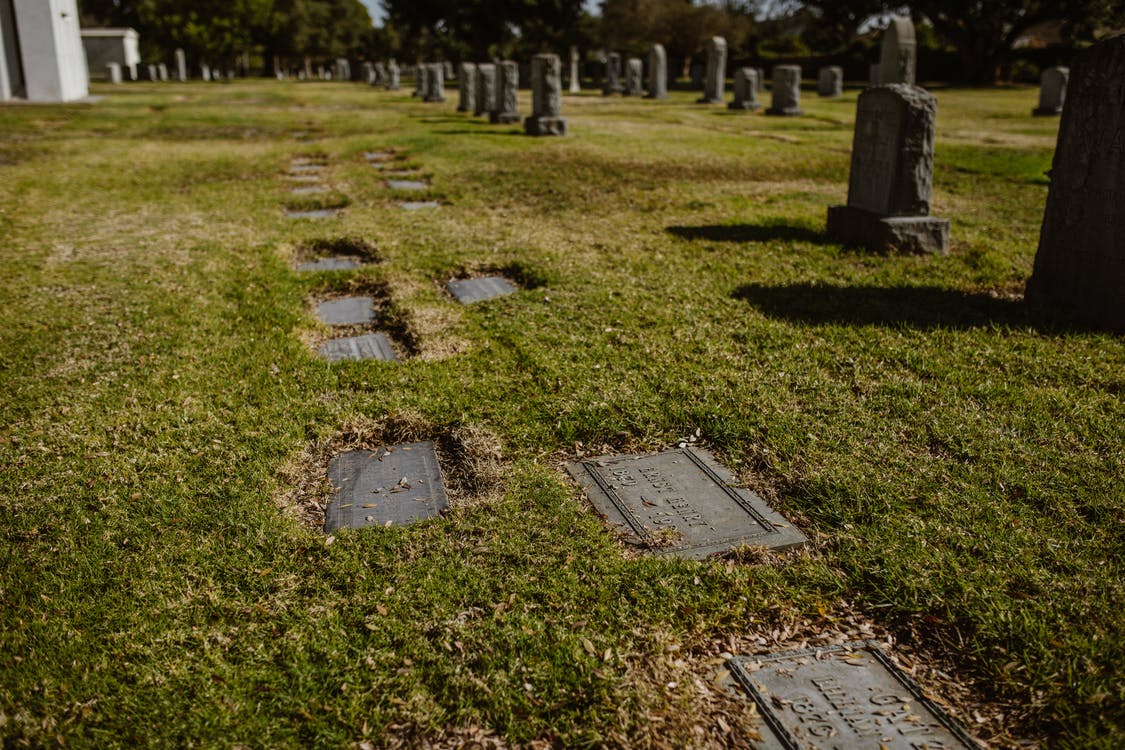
pixel 54 63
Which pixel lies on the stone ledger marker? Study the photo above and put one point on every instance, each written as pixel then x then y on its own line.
pixel 486 89
pixel 468 291
pixel 657 73
pixel 393 486
pixel 898 55
pixel 680 502
pixel 830 81
pixel 634 77
pixel 849 696
pixel 506 110
pixel 785 98
pixel 1052 91
pixel 891 175
pixel 466 87
pixel 1079 273
pixel 745 90
pixel 714 79
pixel 546 97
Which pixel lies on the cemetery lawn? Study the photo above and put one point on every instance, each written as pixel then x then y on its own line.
pixel 957 465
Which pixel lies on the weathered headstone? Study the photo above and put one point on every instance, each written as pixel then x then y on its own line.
pixel 467 291
pixel 447 68
pixel 394 82
pixel 575 82
pixel 1079 273
pixel 486 89
pixel 830 81
pixel 162 72
pixel 113 72
pixel 745 90
pixel 352 348
pixel 891 174
pixel 420 73
pixel 467 88
pixel 785 96
pixel 848 696
pixel 342 70
pixel 613 83
pixel 153 74
pixel 346 311
pixel 657 73
pixel 205 71
pixel 898 56
pixel 1052 91
pixel 714 81
pixel 392 486
pixel 369 73
pixel 546 97
pixel 382 78
pixel 761 80
pixel 634 77
pixel 506 109
pixel 435 83
pixel 181 65
pixel 680 502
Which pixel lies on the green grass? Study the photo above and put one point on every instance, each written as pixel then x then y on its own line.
pixel 958 464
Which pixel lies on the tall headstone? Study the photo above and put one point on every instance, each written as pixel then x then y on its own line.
pixel 657 73
pixel 369 73
pixel 613 83
pixel 162 71
pixel 891 174
pixel 546 97
pixel 41 54
pixel 506 110
pixel 113 72
pixel 204 71
pixel 486 89
pixel 435 83
pixel 898 55
pixel 761 80
pixel 1052 91
pixel 342 70
pixel 830 81
pixel 466 87
pixel 181 65
pixel 785 97
pixel 715 78
pixel 151 73
pixel 634 77
pixel 745 90
pixel 420 73
pixel 447 69
pixel 394 82
pixel 575 73
pixel 1079 273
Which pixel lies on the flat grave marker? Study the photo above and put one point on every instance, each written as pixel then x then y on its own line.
pixel 305 168
pixel 419 205
pixel 378 155
pixel 407 185
pixel 334 263
pixel 393 486
pixel 346 311
pixel 303 177
pixel 467 291
pixel 316 213
pixel 850 696
pixel 680 502
pixel 308 190
pixel 354 348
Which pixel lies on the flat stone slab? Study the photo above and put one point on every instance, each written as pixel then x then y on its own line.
pixel 467 291
pixel 400 172
pixel 407 185
pixel 305 168
pixel 352 348
pixel 680 502
pixel 849 696
pixel 310 190
pixel 378 155
pixel 305 161
pixel 316 213
pixel 902 234
pixel 347 311
pixel 335 263
pixel 419 205
pixel 393 486
pixel 303 177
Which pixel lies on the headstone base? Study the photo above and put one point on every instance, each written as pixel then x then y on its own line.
pixel 1047 111
pixel 434 99
pixel 904 234
pixel 705 100
pixel 503 118
pixel 785 111
pixel 748 106
pixel 545 125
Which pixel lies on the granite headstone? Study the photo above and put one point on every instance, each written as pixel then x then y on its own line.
pixel 745 90
pixel 393 486
pixel 1052 91
pixel 506 110
pixel 785 96
pixel 546 97
pixel 898 56
pixel 714 80
pixel 657 73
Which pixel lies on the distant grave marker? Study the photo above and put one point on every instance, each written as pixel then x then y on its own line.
pixel 785 97
pixel 898 53
pixel 657 73
pixel 435 83
pixel 467 291
pixel 486 89
pixel 419 205
pixel 393 76
pixel 305 168
pixel 850 696
pixel 714 80
pixel 680 502
pixel 745 90
pixel 355 348
pixel 1052 91
pixel 467 87
pixel 335 263
pixel 303 177
pixel 316 213
pixel 346 311
pixel 407 185
pixel 830 81
pixel 634 77
pixel 506 110
pixel 613 84
pixel 393 486
pixel 308 190
pixel 546 97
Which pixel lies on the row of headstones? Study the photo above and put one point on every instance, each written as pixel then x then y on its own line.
pixel 118 73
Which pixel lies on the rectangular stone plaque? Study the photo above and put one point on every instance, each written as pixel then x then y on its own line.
pixel 303 177
pixel 419 205
pixel 849 696
pixel 336 263
pixel 346 311
pixel 392 486
pixel 309 190
pixel 316 213
pixel 680 502
pixel 378 155
pixel 474 290
pixel 407 185
pixel 305 168
pixel 354 348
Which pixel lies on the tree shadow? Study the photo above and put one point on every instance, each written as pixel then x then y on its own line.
pixel 912 306
pixel 771 232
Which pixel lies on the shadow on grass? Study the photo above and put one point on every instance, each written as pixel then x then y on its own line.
pixel 772 232
pixel 482 131
pixel 912 306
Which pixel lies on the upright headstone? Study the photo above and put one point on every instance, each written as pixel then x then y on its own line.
pixel 830 81
pixel 181 65
pixel 369 73
pixel 898 54
pixel 761 80
pixel 467 88
pixel 447 69
pixel 657 73
pixel 785 97
pixel 1079 273
pixel 342 71
pixel 394 82
pixel 697 71
pixel 486 89
pixel 162 71
pixel 891 174
pixel 153 74
pixel 1052 91
pixel 873 74
pixel 420 73
pixel 546 97
pixel 745 90
pixel 381 77
pixel 613 83
pixel 506 110
pixel 634 77
pixel 113 72
pixel 435 83
pixel 575 82
pixel 205 71
pixel 715 79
